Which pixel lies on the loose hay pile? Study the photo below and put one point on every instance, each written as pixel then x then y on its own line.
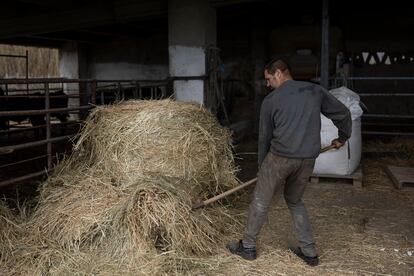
pixel 122 202
pixel 9 230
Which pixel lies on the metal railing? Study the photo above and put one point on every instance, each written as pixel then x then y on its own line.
pixel 399 97
pixel 87 95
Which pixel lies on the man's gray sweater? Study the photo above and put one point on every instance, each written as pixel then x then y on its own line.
pixel 290 121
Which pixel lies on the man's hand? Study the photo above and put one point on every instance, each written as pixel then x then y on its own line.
pixel 336 143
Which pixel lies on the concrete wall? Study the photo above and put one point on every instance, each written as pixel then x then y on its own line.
pixel 130 59
pixel 68 60
pixel 125 59
pixel 145 58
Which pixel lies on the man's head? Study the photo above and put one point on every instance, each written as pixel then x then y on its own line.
pixel 276 72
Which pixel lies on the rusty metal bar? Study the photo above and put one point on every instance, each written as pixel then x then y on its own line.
pixel 27 128
pixel 48 128
pixel 27 70
pixel 43 111
pixel 32 89
pixel 118 92
pixel 386 94
pixel 39 97
pixel 21 178
pixel 34 144
pixel 135 92
pixel 388 116
pixel 102 97
pixel 387 124
pixel 378 78
pixel 13 56
pixel 16 126
pixel 64 80
pixel 388 133
pixel 23 161
pixel 121 91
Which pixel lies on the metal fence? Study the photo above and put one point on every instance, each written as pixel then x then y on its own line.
pixel 80 95
pixel 389 102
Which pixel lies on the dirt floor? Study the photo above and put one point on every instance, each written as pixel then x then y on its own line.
pixel 368 231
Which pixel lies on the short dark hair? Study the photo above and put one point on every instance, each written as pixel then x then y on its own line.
pixel 275 64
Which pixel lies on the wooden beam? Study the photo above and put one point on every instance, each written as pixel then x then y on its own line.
pixel 89 15
pixel 222 3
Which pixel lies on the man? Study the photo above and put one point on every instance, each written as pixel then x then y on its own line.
pixel 289 142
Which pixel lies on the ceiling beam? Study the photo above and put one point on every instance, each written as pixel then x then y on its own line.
pixel 222 3
pixel 87 16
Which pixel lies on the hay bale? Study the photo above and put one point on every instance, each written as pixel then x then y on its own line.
pixel 124 196
pixel 138 139
pixel 156 213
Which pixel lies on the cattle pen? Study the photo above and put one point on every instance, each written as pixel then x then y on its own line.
pixel 50 138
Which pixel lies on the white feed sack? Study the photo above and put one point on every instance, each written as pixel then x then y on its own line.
pixel 345 160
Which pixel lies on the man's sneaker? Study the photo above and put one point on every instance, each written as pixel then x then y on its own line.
pixel 312 261
pixel 236 247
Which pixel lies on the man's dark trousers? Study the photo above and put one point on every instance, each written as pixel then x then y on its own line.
pixel 275 172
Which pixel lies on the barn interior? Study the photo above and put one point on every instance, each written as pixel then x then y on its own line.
pixel 213 52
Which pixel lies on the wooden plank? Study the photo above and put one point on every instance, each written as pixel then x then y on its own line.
pixel 356 177
pixel 400 175
pixel 314 179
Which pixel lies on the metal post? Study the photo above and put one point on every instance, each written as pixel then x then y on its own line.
pixel 118 93
pixel 48 129
pixel 93 92
pixel 102 97
pixel 27 71
pixel 325 45
pixel 6 87
pixel 122 91
pixel 136 90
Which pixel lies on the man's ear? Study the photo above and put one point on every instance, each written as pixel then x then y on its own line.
pixel 278 73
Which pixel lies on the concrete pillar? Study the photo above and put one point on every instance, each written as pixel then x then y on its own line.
pixel 191 28
pixel 71 65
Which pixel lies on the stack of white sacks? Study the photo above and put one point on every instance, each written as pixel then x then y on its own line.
pixel 345 160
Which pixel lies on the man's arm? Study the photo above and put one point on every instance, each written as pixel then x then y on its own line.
pixel 265 131
pixel 340 116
